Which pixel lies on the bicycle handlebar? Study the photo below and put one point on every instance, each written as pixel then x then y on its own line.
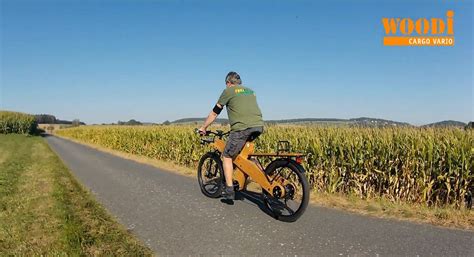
pixel 218 133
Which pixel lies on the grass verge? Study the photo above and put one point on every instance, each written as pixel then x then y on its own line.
pixel 381 208
pixel 45 211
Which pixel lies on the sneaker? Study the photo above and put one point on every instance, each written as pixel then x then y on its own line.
pixel 228 193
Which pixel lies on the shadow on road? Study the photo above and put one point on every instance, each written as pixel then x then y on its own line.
pixel 255 198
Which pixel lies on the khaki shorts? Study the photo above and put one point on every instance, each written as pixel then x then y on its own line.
pixel 237 140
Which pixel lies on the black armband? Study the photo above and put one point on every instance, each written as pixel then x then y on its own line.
pixel 217 109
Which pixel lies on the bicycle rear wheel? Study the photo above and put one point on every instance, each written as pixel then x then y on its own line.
pixel 211 175
pixel 292 205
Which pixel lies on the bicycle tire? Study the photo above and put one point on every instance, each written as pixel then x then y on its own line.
pixel 299 171
pixel 218 176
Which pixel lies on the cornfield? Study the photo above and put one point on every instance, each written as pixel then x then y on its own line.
pixel 417 165
pixel 16 122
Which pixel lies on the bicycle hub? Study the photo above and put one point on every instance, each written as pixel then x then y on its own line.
pixel 277 192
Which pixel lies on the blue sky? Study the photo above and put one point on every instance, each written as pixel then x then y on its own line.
pixel 103 61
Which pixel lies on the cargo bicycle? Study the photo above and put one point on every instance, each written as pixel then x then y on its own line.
pixel 285 189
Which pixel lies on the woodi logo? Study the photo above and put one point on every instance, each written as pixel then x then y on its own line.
pixel 422 32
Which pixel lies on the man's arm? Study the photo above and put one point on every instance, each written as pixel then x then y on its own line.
pixel 211 118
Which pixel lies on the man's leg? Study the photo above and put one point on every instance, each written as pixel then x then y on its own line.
pixel 234 144
pixel 228 192
pixel 228 171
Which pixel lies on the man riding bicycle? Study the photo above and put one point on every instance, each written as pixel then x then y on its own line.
pixel 245 119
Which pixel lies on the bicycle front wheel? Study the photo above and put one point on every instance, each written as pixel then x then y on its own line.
pixel 211 175
pixel 292 205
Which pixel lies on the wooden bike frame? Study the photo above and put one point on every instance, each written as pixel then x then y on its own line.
pixel 247 168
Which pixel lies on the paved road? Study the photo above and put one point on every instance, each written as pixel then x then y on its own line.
pixel 168 212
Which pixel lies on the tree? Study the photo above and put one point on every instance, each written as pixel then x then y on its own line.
pixel 76 123
pixel 45 119
pixel 470 125
pixel 133 122
pixel 167 122
pixel 50 129
pixel 130 122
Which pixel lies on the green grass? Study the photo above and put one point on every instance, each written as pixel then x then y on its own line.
pixel 45 211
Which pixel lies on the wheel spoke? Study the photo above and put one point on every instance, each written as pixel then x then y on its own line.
pixel 213 181
pixel 210 166
pixel 210 176
pixel 276 173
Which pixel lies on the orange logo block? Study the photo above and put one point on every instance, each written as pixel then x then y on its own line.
pixel 430 32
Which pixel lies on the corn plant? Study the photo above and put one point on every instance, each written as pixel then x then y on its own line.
pixel 16 122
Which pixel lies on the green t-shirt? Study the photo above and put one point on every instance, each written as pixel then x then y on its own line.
pixel 242 107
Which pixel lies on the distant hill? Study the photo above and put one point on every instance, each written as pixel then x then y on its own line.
pixel 198 120
pixel 306 120
pixel 363 121
pixel 447 123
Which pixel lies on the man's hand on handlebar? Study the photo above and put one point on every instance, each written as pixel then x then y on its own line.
pixel 202 131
